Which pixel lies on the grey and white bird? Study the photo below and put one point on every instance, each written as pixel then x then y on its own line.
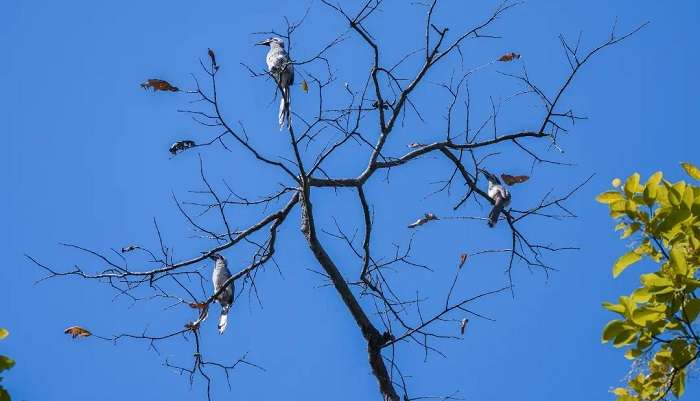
pixel 225 297
pixel 280 67
pixel 500 196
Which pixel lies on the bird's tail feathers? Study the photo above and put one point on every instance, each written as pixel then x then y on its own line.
pixel 495 212
pixel 284 108
pixel 223 320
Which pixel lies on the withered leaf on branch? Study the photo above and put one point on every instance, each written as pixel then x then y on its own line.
pixel 509 57
pixel 514 179
pixel 129 248
pixel 212 56
pixel 305 86
pixel 159 85
pixel 463 325
pixel 426 218
pixel 200 305
pixel 180 146
pixel 462 259
pixel 384 104
pixel 77 331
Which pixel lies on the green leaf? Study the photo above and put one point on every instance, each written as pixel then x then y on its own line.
pixel 6 363
pixel 612 329
pixel 4 396
pixel 632 184
pixel 624 262
pixel 688 197
pixel 649 194
pixel 678 385
pixel 632 354
pixel 625 337
pixel 620 391
pixel 692 170
pixel 644 316
pixel 657 284
pixel 680 353
pixel 628 398
pixel 680 188
pixel 618 208
pixel 629 305
pixel 692 309
pixel 609 197
pixel 654 280
pixel 655 178
pixel 671 221
pixel 617 308
pixel 662 195
pixel 631 229
pixel 641 295
pixel 678 260
pixel 674 197
pixel 3 333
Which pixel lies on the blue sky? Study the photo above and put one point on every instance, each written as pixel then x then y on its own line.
pixel 86 162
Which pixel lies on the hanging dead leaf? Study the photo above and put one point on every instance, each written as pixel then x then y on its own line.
pixel 193 325
pixel 514 179
pixel 509 57
pixel 159 85
pixel 426 218
pixel 212 56
pixel 77 331
pixel 462 259
pixel 305 86
pixel 200 306
pixel 463 325
pixel 384 104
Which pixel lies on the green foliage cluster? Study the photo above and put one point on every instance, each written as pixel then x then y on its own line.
pixel 5 363
pixel 658 322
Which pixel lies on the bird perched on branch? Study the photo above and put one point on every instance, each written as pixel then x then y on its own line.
pixel 280 67
pixel 225 297
pixel 181 146
pixel 500 196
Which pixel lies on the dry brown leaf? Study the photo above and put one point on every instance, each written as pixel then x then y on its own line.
pixel 463 325
pixel 385 104
pixel 514 179
pixel 426 218
pixel 200 306
pixel 462 259
pixel 212 56
pixel 305 86
pixel 159 85
pixel 77 331
pixel 509 57
pixel 192 325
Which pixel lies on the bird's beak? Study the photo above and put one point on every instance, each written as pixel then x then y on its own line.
pixel 263 42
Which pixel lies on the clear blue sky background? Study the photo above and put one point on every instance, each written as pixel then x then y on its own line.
pixel 85 160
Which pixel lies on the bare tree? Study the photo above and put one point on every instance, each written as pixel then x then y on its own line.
pixel 388 319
